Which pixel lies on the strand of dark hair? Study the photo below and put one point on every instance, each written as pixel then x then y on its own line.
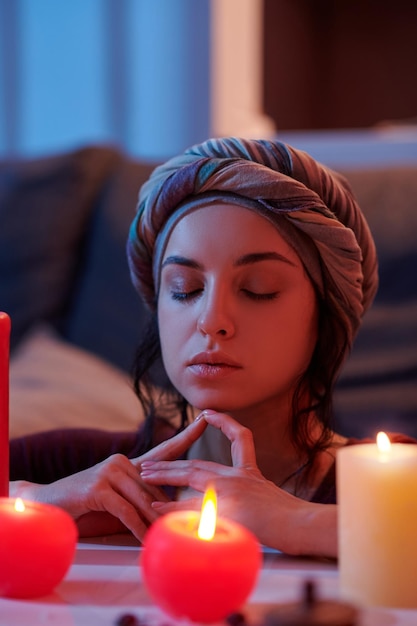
pixel 146 384
pixel 319 380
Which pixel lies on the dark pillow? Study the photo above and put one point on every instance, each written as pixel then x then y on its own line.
pixel 378 387
pixel 388 199
pixel 45 207
pixel 108 316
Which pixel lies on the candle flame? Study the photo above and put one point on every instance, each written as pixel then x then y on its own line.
pixel 19 505
pixel 383 442
pixel 207 526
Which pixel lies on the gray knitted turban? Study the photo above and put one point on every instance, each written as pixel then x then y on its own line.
pixel 312 207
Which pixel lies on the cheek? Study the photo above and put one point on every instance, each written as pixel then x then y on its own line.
pixel 306 324
pixel 172 335
pixel 167 331
pixel 295 335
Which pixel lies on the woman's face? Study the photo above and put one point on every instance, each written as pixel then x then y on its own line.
pixel 237 313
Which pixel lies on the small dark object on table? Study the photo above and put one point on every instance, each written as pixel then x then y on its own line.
pixel 236 619
pixel 127 619
pixel 312 612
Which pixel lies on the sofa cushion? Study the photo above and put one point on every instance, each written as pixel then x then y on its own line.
pixel 107 316
pixel 45 207
pixel 53 385
pixel 387 196
pixel 378 386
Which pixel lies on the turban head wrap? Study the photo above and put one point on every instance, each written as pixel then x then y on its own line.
pixel 312 207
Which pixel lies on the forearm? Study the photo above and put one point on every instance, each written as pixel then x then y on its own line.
pixel 312 531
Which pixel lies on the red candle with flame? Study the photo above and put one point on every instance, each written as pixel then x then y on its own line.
pixel 198 567
pixel 4 403
pixel 37 546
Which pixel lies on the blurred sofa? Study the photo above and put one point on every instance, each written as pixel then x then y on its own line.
pixel 76 319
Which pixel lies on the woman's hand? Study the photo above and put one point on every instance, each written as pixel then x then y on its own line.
pixel 278 519
pixel 111 496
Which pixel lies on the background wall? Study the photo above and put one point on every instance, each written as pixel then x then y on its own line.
pixel 131 72
pixel 338 63
pixel 155 76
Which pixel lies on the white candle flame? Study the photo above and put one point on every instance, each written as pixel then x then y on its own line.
pixel 383 442
pixel 19 505
pixel 207 526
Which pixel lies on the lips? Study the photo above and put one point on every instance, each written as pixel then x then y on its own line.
pixel 213 365
pixel 214 358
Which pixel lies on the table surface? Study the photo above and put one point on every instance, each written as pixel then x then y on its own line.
pixel 104 583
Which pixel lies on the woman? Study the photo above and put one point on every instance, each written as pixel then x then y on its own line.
pixel 258 266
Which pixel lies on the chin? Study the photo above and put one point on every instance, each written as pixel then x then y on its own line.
pixel 214 401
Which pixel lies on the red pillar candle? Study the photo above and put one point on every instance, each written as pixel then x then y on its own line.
pixel 202 579
pixel 37 546
pixel 4 403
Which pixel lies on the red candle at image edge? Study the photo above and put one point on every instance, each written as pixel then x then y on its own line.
pixel 200 579
pixel 37 547
pixel 4 403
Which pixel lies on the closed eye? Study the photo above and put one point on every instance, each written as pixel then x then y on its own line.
pixel 185 296
pixel 260 296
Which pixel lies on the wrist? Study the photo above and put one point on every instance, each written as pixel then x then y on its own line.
pixel 313 531
pixel 23 489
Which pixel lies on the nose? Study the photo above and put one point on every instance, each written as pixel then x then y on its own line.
pixel 216 318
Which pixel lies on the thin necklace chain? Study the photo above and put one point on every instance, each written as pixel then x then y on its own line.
pixel 296 472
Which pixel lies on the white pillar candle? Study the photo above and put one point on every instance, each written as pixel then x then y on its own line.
pixel 377 497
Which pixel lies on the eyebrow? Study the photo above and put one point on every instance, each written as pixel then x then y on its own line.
pixel 256 257
pixel 246 259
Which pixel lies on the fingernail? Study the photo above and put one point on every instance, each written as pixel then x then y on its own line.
pixel 146 464
pixel 209 412
pixel 199 417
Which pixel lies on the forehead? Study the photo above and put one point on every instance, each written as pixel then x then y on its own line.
pixel 226 229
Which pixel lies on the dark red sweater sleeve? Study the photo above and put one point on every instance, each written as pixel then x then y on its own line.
pixel 50 455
